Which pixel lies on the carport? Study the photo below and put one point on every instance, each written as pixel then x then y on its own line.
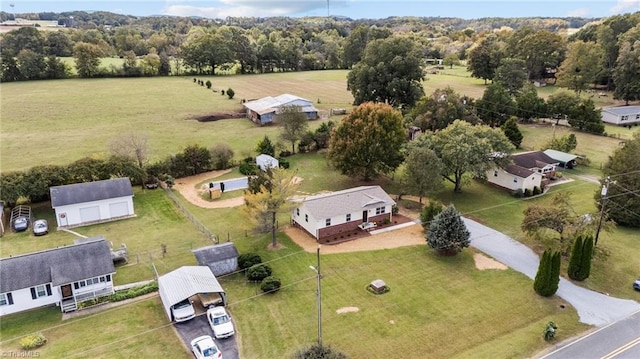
pixel 186 282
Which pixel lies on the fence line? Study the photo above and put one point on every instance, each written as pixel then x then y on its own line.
pixel 201 227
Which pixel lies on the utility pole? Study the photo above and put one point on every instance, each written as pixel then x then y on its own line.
pixel 318 296
pixel 603 201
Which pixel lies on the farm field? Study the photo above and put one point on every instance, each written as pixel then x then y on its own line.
pixel 433 300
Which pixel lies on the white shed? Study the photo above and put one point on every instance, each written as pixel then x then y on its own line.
pixel 92 202
pixel 265 161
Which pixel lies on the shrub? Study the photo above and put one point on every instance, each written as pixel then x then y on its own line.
pixel 230 93
pixel 527 192
pixel 518 193
pixel 259 272
pixel 429 212
pixel 222 92
pixel 394 209
pixel 536 190
pixel 283 163
pixel 318 352
pixel 208 83
pixel 247 260
pixel 285 153
pixel 195 80
pixel 32 341
pixel 270 284
pixel 248 169
pixel 558 174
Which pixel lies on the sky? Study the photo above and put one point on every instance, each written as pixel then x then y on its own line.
pixel 355 9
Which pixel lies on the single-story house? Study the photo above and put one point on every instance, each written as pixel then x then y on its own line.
pixel 220 258
pixel 622 116
pixel 92 202
pixel 186 282
pixel 264 110
pixel 328 215
pixel 566 160
pixel 515 178
pixel 63 276
pixel 265 161
pixel 536 161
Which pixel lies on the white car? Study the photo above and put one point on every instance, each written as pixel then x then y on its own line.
pixel 220 322
pixel 183 311
pixel 204 348
pixel 40 227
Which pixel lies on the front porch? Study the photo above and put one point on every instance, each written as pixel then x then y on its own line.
pixel 70 304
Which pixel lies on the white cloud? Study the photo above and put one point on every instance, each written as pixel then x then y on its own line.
pixel 623 6
pixel 581 12
pixel 245 8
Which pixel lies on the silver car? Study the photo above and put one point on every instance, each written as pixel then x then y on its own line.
pixel 40 227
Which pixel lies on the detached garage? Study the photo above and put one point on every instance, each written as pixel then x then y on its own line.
pixel 186 282
pixel 92 202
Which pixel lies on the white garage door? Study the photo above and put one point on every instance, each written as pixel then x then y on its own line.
pixel 89 214
pixel 118 209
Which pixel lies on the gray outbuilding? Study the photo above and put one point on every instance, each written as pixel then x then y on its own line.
pixel 220 258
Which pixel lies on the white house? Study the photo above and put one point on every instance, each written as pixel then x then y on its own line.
pixel 536 161
pixel 622 116
pixel 327 216
pixel 92 202
pixel 515 178
pixel 265 161
pixel 264 110
pixel 63 276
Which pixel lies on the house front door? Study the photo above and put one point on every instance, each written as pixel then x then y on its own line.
pixel 365 217
pixel 66 291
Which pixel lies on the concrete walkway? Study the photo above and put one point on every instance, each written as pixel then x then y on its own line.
pixel 593 308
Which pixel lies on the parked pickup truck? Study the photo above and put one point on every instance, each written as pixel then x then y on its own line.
pixel 210 300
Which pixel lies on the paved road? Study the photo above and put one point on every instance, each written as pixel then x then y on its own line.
pixel 593 308
pixel 198 326
pixel 618 340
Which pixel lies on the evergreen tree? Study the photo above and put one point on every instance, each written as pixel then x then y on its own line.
pixel 448 234
pixel 511 130
pixel 266 147
pixel 575 261
pixel 587 253
pixel 554 278
pixel 540 283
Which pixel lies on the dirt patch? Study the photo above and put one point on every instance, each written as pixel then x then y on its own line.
pixel 219 116
pixel 187 188
pixel 483 262
pixel 347 310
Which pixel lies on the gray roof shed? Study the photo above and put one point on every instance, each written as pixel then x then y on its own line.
pixel 220 258
pixel 90 191
pixel 57 266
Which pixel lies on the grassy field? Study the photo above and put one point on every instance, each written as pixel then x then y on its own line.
pixel 433 300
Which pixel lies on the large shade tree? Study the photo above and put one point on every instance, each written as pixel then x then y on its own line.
pixel 420 173
pixel 580 68
pixel 441 108
pixel 389 72
pixel 294 124
pixel 368 142
pixel 466 150
pixel 485 58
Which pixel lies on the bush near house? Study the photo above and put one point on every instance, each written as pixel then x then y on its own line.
pixel 259 272
pixel 270 284
pixel 33 341
pixel 248 260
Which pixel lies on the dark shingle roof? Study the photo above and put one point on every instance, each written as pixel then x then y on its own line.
pixel 57 266
pixel 518 171
pixel 215 253
pixel 90 191
pixel 535 159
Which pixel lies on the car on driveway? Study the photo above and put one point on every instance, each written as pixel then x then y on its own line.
pixel 205 348
pixel 20 224
pixel 183 311
pixel 220 322
pixel 40 227
pixel 636 284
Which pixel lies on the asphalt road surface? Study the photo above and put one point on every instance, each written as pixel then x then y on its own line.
pixel 199 326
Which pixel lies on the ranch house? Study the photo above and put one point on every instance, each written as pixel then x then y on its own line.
pixel 263 111
pixel 622 116
pixel 63 276
pixel 528 170
pixel 92 202
pixel 327 216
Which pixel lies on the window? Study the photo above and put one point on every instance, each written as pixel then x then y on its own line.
pixel 348 217
pixel 624 118
pixel 638 116
pixel 108 277
pixel 515 179
pixel 297 211
pixel 380 210
pixel 41 291
pixel 95 280
pixel 6 299
pixel 327 222
pixel 102 279
pixel 306 218
pixel 82 283
pixel 495 173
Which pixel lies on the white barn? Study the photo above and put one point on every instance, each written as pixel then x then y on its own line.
pixel 63 276
pixel 327 216
pixel 92 202
pixel 622 116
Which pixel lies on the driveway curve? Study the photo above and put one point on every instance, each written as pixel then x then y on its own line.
pixel 593 308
